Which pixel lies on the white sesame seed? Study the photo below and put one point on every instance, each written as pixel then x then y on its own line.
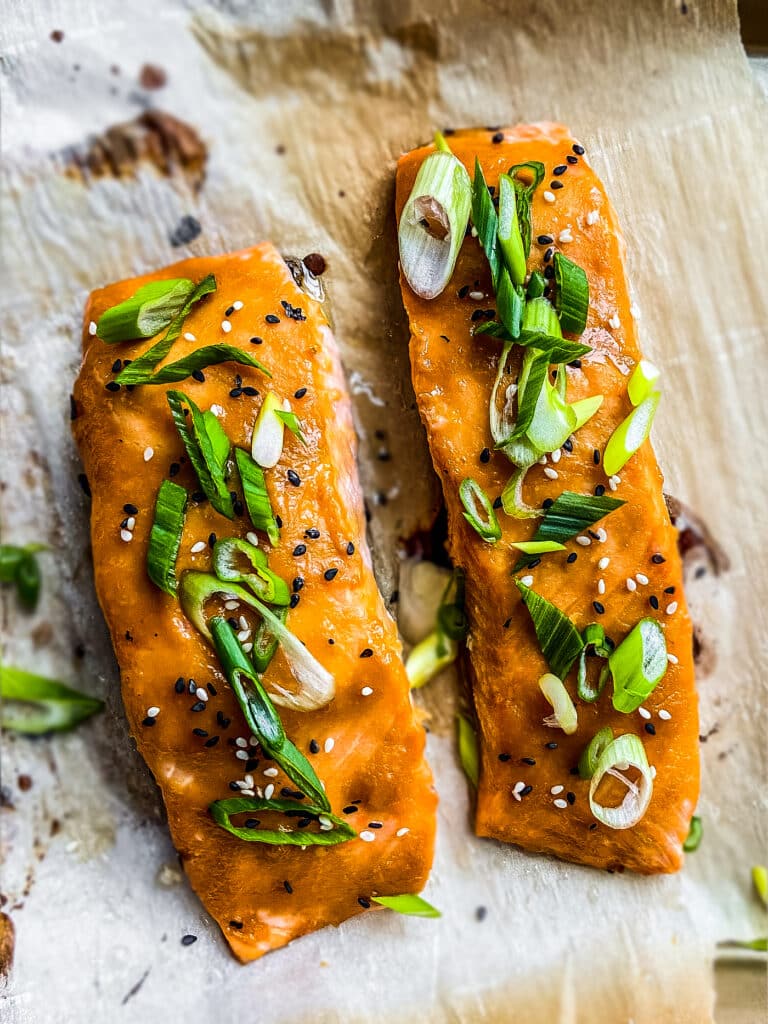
pixel 253 741
pixel 402 832
pixel 130 522
pixel 565 236
pixel 613 483
pixel 584 541
pixel 672 659
pixel 549 197
pixel 243 635
pixel 543 460
pixel 242 622
pixel 148 453
pixel 242 755
pixel 271 773
pixel 197 547
pixel 642 579
pixel 329 745
pixel 593 217
pixel 248 647
pixel 551 473
pixel 92 328
pixel 241 785
pixel 556 455
pixel 562 804
pixel 474 231
pixel 269 791
pixel 602 535
pixel 237 304
pixel 601 586
pixel 366 691
pixel 631 585
pixel 126 535
pixel 248 780
pixel 226 326
pixel 201 694
pixel 325 823
pixel 217 410
pixel 517 790
pixel 477 296
pixel 252 538
pixel 604 562
pixel 241 741
pixel 527 581
pixel 189 336
pixel 644 713
pixel 664 715
pixel 231 606
pixel 367 836
pixel 671 608
pixel 153 712
pixel 556 789
pixel 247 792
pixel 614 322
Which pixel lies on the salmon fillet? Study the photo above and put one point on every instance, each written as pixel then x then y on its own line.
pixel 453 376
pixel 365 745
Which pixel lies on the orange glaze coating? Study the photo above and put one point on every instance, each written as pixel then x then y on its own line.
pixel 377 752
pixel 453 377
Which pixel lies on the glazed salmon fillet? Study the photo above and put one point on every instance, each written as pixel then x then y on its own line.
pixel 364 745
pixel 626 569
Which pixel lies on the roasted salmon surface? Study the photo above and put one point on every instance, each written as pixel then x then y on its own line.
pixel 625 569
pixel 364 745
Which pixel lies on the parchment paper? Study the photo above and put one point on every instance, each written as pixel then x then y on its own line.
pixel 303 108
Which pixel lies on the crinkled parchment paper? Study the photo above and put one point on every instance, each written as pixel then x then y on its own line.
pixel 303 109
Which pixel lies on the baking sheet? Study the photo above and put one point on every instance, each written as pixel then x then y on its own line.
pixel 301 110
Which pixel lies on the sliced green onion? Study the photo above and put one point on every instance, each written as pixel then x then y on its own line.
pixel 204 439
pixel 267 440
pixel 265 642
pixel 760 881
pixel 10 557
pixel 34 705
pixel 509 303
pixel 409 904
pixel 540 317
pixel 553 419
pixel 149 310
pixel 630 434
pixel 486 222
pixel 563 709
pixel 572 294
pixel 624 752
pixel 165 535
pixel 569 515
pixel 757 945
pixel 260 714
pixel 533 376
pixel 27 579
pixel 483 519
pixel 228 556
pixel 256 496
pixel 510 240
pixel 201 359
pixel 695 835
pixel 469 749
pixel 433 223
pixel 501 422
pixel 590 757
pixel 222 812
pixel 536 285
pixel 638 665
pixel 429 657
pixel 512 495
pixel 451 617
pixel 537 547
pixel 531 168
pixel 558 638
pixel 144 364
pixel 316 685
pixel 595 643
pixel 643 381
pixel 524 196
pixel 559 350
pixel 291 420
pixel 585 409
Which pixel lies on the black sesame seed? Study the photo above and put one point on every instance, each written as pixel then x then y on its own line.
pixel 303 822
pixel 364 903
pixel 669 590
pixel 222 719
pixel 300 549
pixel 174 469
pixel 658 559
pixel 234 787
pixel 366 653
pixel 200 732
pixel 131 510
pixel 330 574
pixel 117 365
pixel 555 184
pixel 198 706
pixel 549 271
pixel 350 548
pixel 485 455
pixel 571 558
pixel 238 507
pixel 497 137
pixel 571 798
pixel 463 292
pixel 236 924
pixel 572 159
pixel 497 502
pixel 331 641
pixel 252 822
pixel 124 524
pixel 579 150
pixel 300 393
pixel 297 584
pixel 233 623
pixel 375 824
pixel 187 940
pixel 211 539
pixel 272 319
pixel 292 312
pixel 505 757
pixel 349 809
pixel 560 169
pixel 477 314
pixel 211 689
pixel 547 503
pixel 211 742
pixel 593 826
pixel 314 747
pixel 653 601
pixel 545 239
pixel 313 534
pixel 180 686
pixel 252 764
pixel 293 477
pixel 650 728
pixel 506 624
pixel 113 386
pixel 574 770
pixel 292 794
pixel 551 745
pixel 192 685
pixel 295 598
pixel 593 535
pixel 257 341
pixel 198 375
pixel 288 887
pixel 250 391
pixel 534 563
pixel 599 608
pixel 148 721
pixel 198 497
pixel 235 392
pixel 526 790
pixel 279 521
pixel 549 254
pixel 599 491
pixel 528 760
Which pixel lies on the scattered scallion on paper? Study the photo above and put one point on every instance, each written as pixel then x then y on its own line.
pixel 19 565
pixel 695 835
pixel 440 648
pixel 469 748
pixel 35 705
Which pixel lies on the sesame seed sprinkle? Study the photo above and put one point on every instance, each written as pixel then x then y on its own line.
pixel 126 535
pixel 672 659
pixel 584 541
pixel 614 322
pixel 153 712
pixel 593 217
pixel 642 579
pixel 644 713
pixel 601 586
pixel 237 304
pixel 270 773
pixel 631 585
pixel 197 547
pixel 366 691
pixel 367 837
pixel 269 791
pixel 402 832
pixel 551 473
pixel 241 755
pixel 671 608
pixel 549 197
pixel 92 328
pixel 604 562
pixel 329 745
pixel 556 455
pixel 565 236
pixel 148 453
pixel 226 326
pixel 664 715
pixel 561 804
pixel 556 789
pixel 527 581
